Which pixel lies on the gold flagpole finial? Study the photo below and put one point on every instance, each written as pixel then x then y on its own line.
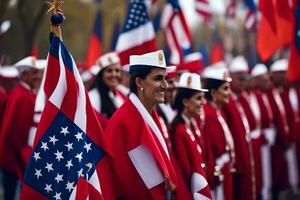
pixel 57 17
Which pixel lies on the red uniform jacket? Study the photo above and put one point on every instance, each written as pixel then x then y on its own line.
pixel 15 128
pixel 139 161
pixel 244 187
pixel 188 152
pixel 214 136
pixel 257 140
pixel 3 96
pixel 279 165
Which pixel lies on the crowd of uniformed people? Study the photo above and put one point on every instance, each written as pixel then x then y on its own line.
pixel 226 132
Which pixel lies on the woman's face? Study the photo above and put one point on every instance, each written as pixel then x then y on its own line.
pixel 193 105
pixel 154 86
pixel 221 95
pixel 112 76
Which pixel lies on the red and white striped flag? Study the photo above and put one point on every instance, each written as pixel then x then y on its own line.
pixel 203 9
pixel 69 154
pixel 138 36
pixel 177 32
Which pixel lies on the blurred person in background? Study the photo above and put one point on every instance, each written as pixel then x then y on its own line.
pixel 105 97
pixel 221 165
pixel 17 120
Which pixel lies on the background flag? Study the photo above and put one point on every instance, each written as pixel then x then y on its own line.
pixel 68 152
pixel 138 36
pixel 94 48
pixel 177 33
pixel 203 9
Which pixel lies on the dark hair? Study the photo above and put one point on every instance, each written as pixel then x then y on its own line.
pixel 212 84
pixel 142 72
pixel 182 93
pixel 107 106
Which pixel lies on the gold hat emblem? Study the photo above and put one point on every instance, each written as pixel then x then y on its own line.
pixel 160 57
pixel 189 81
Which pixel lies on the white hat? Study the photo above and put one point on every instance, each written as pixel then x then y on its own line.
pixel 259 69
pixel 90 73
pixel 239 64
pixel 9 72
pixel 279 65
pixel 28 62
pixel 190 81
pixel 217 71
pixel 108 59
pixel 41 63
pixel 153 59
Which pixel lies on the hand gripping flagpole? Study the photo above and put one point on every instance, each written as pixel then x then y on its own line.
pixel 57 17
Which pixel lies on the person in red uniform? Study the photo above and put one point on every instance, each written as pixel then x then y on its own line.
pixel 244 176
pixel 261 107
pixel 187 138
pixel 221 164
pixel 104 96
pixel 278 77
pixel 140 158
pixel 8 74
pixel 16 124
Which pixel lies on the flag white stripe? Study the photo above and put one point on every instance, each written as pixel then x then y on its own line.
pixel 94 181
pixel 73 194
pixel 180 34
pixel 166 17
pixel 61 86
pixel 175 57
pixel 129 39
pixel 80 114
pixel 204 7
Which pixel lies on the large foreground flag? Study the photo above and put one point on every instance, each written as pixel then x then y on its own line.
pixel 94 48
pixel 176 31
pixel 69 154
pixel 138 36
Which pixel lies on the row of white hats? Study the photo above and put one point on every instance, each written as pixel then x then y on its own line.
pixel 239 63
pixel 15 70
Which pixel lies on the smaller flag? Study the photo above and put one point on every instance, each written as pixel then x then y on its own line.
pixel 176 30
pixel 250 20
pixel 94 48
pixel 231 7
pixel 138 36
pixel 203 9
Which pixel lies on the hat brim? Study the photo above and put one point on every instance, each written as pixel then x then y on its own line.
pixel 200 90
pixel 133 68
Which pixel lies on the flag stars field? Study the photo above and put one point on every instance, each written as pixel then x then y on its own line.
pixel 59 177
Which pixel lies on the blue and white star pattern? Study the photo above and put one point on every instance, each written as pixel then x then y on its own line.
pixel 64 154
pixel 137 15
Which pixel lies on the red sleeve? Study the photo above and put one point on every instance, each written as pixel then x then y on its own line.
pixel 182 150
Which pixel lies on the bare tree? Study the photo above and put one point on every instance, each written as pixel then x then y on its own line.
pixel 30 13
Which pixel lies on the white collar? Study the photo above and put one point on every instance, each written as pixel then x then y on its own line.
pixel 149 120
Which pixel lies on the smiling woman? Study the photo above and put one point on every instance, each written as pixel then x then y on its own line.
pixel 135 137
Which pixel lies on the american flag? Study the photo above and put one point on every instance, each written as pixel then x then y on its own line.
pixel 138 36
pixel 68 152
pixel 176 31
pixel 250 21
pixel 203 9
pixel 231 9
